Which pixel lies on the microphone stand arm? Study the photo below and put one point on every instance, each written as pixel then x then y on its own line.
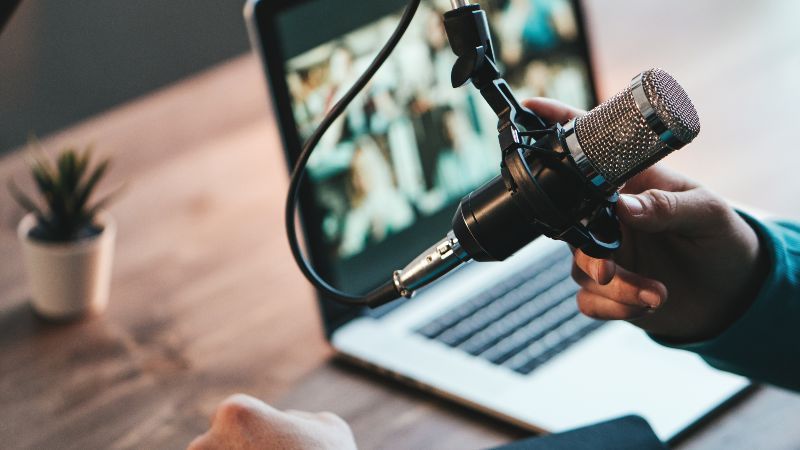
pixel 518 127
pixel 468 32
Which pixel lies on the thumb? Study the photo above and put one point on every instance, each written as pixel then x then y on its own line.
pixel 694 212
pixel 552 110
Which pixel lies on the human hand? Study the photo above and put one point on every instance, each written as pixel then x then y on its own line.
pixel 689 265
pixel 242 422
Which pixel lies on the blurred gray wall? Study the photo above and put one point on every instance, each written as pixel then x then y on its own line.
pixel 64 60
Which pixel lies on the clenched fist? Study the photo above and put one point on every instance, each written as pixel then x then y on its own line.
pixel 245 423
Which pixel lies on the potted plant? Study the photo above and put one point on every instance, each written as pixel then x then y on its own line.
pixel 68 241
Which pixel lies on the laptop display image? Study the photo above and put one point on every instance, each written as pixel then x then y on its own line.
pixel 411 146
pixel 505 338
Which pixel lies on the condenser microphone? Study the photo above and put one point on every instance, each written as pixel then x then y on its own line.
pixel 564 184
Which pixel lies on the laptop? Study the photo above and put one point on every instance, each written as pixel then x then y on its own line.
pixel 504 338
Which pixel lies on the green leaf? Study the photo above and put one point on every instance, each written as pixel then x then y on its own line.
pixel 43 180
pixel 23 200
pixel 38 158
pixel 49 190
pixel 83 163
pixel 84 192
pixel 67 163
pixel 105 201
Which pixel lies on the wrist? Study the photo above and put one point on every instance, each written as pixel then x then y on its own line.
pixel 758 274
pixel 738 305
pixel 719 312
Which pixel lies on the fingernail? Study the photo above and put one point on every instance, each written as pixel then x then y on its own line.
pixel 650 298
pixel 632 204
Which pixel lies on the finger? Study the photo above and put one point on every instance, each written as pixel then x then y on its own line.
pixel 248 401
pixel 696 212
pixel 600 270
pixel 628 288
pixel 552 110
pixel 202 442
pixel 658 177
pixel 599 307
pixel 325 417
pixel 305 415
pixel 239 408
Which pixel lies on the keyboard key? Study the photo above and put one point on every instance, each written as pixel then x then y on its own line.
pixel 502 306
pixel 520 323
pixel 533 331
pixel 434 328
pixel 520 317
pixel 550 344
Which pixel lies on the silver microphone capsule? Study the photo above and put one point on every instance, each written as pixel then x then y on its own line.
pixel 633 130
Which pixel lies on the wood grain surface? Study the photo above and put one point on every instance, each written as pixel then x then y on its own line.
pixel 206 302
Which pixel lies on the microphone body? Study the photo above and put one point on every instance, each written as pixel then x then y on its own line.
pixel 556 186
pixel 564 184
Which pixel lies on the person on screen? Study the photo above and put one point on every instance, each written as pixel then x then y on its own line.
pixel 525 26
pixel 693 272
pixel 378 208
pixel 467 162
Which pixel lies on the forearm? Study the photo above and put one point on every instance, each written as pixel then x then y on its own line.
pixel 764 343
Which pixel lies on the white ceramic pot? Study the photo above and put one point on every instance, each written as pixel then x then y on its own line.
pixel 69 280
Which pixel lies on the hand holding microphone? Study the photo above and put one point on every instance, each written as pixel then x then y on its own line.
pixel 556 180
pixel 689 265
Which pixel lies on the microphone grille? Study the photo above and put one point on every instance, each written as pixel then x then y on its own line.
pixel 671 104
pixel 637 127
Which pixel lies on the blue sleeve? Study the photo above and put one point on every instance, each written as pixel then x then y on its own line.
pixel 764 343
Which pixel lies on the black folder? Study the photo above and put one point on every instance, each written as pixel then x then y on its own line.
pixel 625 433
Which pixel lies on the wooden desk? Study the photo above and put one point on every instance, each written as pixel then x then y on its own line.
pixel 206 302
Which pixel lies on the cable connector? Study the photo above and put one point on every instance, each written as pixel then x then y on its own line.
pixel 429 266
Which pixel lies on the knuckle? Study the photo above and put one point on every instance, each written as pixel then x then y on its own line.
pixel 582 258
pixel 199 443
pixel 233 411
pixel 578 275
pixel 583 262
pixel 585 305
pixel 333 419
pixel 665 204
pixel 623 292
pixel 631 313
pixel 716 206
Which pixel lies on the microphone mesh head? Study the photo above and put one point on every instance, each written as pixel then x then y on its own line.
pixel 621 142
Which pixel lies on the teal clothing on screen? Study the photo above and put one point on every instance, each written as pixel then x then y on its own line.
pixel 764 343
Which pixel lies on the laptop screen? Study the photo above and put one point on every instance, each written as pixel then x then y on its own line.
pixel 386 178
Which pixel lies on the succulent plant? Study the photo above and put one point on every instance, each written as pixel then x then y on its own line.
pixel 66 185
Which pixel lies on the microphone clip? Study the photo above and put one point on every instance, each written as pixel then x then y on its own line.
pixel 589 223
pixel 598 236
pixel 468 32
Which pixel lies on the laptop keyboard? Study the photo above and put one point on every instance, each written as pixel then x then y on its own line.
pixel 520 323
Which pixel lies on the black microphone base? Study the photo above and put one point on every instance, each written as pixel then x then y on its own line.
pixel 489 225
